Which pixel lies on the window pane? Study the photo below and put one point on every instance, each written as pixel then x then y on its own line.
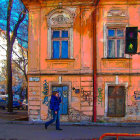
pixel 120 106
pixel 120 91
pixel 64 49
pixel 111 91
pixel 64 33
pixel 111 106
pixel 111 48
pixel 120 33
pixel 65 100
pixel 56 34
pixel 120 48
pixel 111 33
pixel 55 49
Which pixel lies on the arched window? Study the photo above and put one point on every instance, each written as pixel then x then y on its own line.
pixel 60 34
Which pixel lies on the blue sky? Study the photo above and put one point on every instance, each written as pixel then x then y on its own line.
pixel 16 9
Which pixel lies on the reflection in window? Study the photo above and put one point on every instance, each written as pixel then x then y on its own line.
pixel 120 33
pixel 111 33
pixel 111 48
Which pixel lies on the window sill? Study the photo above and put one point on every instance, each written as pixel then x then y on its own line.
pixel 60 60
pixel 123 58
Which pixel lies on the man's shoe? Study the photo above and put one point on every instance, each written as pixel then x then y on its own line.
pixel 59 129
pixel 45 127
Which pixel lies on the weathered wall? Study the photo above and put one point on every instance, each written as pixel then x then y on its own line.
pixel 75 73
pixel 122 71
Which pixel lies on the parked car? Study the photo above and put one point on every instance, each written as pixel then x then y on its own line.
pixel 21 102
pixel 3 104
pixel 16 104
pixel 25 104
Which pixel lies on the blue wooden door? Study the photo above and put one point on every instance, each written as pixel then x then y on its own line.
pixel 63 91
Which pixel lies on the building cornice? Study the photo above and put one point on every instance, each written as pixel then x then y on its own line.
pixel 59 73
pixel 50 3
pixel 115 73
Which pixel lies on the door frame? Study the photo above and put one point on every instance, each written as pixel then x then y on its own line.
pixel 52 84
pixel 107 84
pixel 123 97
pixel 61 86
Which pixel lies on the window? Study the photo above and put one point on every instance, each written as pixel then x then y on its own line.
pixel 116 101
pixel 115 43
pixel 60 34
pixel 60 44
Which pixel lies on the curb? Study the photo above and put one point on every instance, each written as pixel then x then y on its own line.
pixel 75 123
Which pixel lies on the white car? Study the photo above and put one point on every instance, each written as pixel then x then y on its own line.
pixel 25 104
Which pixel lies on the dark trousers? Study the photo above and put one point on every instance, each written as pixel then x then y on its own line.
pixel 56 117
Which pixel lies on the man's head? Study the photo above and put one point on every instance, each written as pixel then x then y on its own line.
pixel 55 93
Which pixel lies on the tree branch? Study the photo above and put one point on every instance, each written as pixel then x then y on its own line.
pixel 21 18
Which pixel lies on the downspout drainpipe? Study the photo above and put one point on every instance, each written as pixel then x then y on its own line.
pixel 94 63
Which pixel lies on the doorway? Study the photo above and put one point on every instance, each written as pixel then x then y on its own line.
pixel 116 101
pixel 63 91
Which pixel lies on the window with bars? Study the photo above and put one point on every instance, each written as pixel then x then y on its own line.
pixel 116 101
pixel 60 43
pixel 115 43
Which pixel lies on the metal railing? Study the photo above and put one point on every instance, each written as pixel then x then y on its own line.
pixel 117 135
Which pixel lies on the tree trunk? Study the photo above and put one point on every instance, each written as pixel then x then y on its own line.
pixel 10 41
pixel 9 57
pixel 26 93
pixel 9 80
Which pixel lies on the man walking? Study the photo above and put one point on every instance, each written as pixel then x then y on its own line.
pixel 54 106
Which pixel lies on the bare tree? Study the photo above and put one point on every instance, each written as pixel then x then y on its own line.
pixel 19 61
pixel 11 36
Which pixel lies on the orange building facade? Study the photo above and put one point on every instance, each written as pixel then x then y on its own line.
pixel 77 48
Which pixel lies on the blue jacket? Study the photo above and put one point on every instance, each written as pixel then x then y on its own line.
pixel 54 103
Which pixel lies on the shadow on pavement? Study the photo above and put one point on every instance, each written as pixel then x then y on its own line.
pixel 19 115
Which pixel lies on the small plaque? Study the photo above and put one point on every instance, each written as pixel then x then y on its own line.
pixel 34 79
pixel 137 95
pixel 34 92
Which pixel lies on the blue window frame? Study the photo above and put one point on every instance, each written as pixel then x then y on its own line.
pixel 60 44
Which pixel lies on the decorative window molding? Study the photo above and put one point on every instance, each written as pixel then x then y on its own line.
pixel 105 31
pixel 107 84
pixel 116 18
pixel 60 18
pixel 117 14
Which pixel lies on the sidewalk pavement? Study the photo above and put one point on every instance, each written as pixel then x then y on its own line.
pixel 40 122
pixel 21 117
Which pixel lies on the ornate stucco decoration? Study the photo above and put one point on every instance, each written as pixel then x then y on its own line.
pixel 60 17
pixel 117 14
